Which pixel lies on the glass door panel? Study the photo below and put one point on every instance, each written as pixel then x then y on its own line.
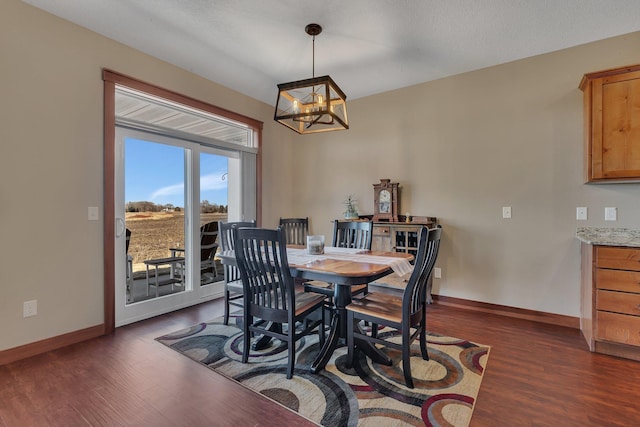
pixel 214 177
pixel 155 215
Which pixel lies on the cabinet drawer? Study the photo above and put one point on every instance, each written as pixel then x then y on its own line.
pixel 618 258
pixel 619 328
pixel 381 231
pixel 620 302
pixel 618 280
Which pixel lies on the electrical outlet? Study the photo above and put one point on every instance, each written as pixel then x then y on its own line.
pixel 437 273
pixel 610 214
pixel 506 212
pixel 581 214
pixel 30 308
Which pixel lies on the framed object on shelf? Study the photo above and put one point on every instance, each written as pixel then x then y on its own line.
pixel 385 201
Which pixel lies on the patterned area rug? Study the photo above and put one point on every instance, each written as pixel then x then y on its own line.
pixel 369 394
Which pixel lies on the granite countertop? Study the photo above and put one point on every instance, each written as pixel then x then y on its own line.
pixel 609 236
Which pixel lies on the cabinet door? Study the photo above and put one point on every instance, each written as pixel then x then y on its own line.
pixel 619 328
pixel 617 258
pixel 406 239
pixel 618 302
pixel 615 131
pixel 381 239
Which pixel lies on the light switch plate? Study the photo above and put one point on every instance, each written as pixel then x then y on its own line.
pixel 506 212
pixel 610 214
pixel 581 213
pixel 93 213
pixel 437 273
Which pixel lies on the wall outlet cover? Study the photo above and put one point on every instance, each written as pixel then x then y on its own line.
pixel 30 308
pixel 610 214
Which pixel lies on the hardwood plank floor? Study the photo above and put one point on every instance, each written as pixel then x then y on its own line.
pixel 537 375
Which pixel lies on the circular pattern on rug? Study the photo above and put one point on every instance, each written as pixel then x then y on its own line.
pixel 203 348
pixel 276 350
pixel 185 332
pixel 471 358
pixel 441 371
pixel 315 396
pixel 436 408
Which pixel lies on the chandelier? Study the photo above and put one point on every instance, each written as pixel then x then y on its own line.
pixel 312 105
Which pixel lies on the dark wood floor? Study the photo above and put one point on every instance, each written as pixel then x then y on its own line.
pixel 537 375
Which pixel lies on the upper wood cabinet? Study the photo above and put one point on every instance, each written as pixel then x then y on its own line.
pixel 612 125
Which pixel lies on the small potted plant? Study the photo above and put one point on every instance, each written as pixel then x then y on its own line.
pixel 350 205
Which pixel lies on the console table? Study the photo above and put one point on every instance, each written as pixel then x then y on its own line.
pixel 400 236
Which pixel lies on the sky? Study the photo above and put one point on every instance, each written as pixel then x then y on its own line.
pixel 155 173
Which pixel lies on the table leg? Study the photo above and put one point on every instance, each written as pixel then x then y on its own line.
pixel 338 329
pixel 330 344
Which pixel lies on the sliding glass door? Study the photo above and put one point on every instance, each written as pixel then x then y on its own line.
pixel 167 191
pixel 179 168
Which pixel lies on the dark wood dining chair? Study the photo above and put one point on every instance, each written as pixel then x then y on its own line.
pixel 401 313
pixel 270 293
pixel 208 248
pixel 352 234
pixel 346 234
pixel 232 283
pixel 296 230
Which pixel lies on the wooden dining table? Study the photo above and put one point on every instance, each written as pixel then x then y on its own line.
pixel 343 270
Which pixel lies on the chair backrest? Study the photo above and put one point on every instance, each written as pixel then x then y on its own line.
pixel 225 229
pixel 414 297
pixel 352 234
pixel 296 230
pixel 208 237
pixel 227 243
pixel 261 256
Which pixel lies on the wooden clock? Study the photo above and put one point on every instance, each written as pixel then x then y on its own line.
pixel 385 201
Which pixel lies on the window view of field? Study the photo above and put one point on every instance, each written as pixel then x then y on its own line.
pixel 153 233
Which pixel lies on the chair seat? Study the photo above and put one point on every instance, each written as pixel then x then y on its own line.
pixel 235 286
pixel 306 301
pixel 393 281
pixel 376 304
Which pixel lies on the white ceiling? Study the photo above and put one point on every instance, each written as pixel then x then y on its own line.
pixel 367 46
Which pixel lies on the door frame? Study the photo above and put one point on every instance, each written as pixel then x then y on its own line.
pixel 111 78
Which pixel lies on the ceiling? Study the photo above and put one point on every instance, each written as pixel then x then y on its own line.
pixel 367 46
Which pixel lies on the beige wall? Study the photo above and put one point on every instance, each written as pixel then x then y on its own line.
pixel 51 166
pixel 461 148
